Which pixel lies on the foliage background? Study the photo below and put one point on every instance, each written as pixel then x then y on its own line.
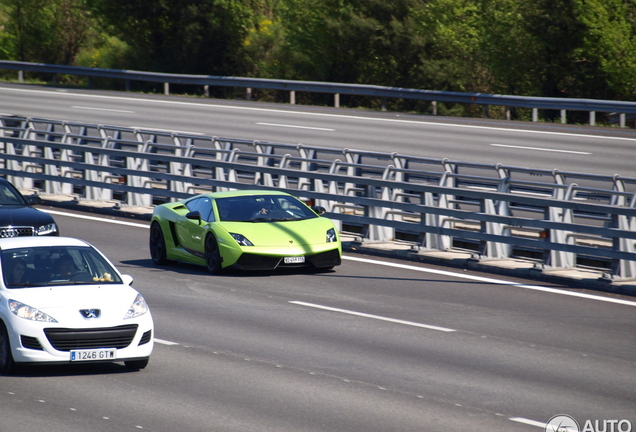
pixel 550 48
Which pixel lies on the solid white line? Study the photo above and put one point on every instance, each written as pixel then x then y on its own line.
pixel 541 149
pixel 381 318
pixel 528 421
pixel 102 109
pixel 271 110
pixel 494 281
pixel 94 218
pixel 165 342
pixel 149 129
pixel 295 127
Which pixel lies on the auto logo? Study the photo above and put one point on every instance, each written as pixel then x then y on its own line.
pixel 9 232
pixel 90 313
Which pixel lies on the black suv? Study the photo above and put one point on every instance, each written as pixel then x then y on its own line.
pixel 18 218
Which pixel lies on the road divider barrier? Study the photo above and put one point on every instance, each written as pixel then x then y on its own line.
pixel 558 219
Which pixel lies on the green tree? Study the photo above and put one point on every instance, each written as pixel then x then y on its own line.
pixel 48 31
pixel 189 36
pixel 608 47
pixel 358 41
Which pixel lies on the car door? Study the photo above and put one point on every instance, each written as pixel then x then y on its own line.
pixel 191 232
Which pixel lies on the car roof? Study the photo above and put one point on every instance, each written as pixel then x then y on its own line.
pixel 35 241
pixel 239 193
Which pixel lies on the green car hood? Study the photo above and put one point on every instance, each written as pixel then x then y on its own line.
pixel 274 234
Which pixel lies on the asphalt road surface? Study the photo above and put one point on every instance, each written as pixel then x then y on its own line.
pixel 375 345
pixel 597 150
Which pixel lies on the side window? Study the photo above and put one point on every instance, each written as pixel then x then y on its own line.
pixel 204 206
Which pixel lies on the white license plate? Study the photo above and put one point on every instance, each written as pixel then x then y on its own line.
pixel 294 260
pixel 96 354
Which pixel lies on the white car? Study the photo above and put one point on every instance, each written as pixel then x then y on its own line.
pixel 62 302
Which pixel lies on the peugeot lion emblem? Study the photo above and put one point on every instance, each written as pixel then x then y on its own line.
pixel 90 313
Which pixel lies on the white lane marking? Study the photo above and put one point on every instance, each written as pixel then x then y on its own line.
pixel 295 127
pixel 377 317
pixel 150 129
pixel 101 109
pixel 165 342
pixel 528 422
pixel 94 218
pixel 541 149
pixel 344 116
pixel 405 266
pixel 494 281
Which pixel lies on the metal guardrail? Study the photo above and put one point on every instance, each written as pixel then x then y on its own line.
pixel 535 103
pixel 559 219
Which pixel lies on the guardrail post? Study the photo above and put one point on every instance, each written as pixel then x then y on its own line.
pixel 292 97
pixel 20 76
pixel 166 88
pixel 336 100
pixel 248 93
pixel 592 118
pixel 493 249
pixel 623 268
pixel 535 114
pixel 13 165
pixel 622 119
pixel 563 117
pixel 206 91
pixel 184 170
pixel 444 201
pixel 434 107
pixel 376 232
pixel 561 259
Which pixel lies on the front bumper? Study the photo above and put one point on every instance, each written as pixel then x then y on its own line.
pixel 53 344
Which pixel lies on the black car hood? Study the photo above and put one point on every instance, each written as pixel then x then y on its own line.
pixel 23 216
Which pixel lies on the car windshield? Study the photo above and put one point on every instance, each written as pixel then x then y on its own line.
pixel 59 265
pixel 262 208
pixel 10 196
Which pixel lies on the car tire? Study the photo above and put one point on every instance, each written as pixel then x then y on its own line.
pixel 212 255
pixel 157 244
pixel 136 364
pixel 7 365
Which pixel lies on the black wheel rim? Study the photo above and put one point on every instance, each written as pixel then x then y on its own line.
pixel 211 253
pixel 156 243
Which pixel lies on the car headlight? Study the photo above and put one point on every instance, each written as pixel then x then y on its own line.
pixel 138 308
pixel 30 313
pixel 241 239
pixel 331 235
pixel 47 229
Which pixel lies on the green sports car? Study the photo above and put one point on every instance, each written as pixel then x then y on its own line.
pixel 245 230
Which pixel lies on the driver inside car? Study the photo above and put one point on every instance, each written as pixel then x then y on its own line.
pixel 65 267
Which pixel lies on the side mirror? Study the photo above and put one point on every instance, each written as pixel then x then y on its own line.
pixel 319 209
pixel 194 215
pixel 127 279
pixel 34 200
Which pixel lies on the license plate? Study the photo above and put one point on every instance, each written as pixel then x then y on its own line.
pixel 294 260
pixel 91 355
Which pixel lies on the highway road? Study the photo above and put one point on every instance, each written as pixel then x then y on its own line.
pixel 606 151
pixel 375 345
